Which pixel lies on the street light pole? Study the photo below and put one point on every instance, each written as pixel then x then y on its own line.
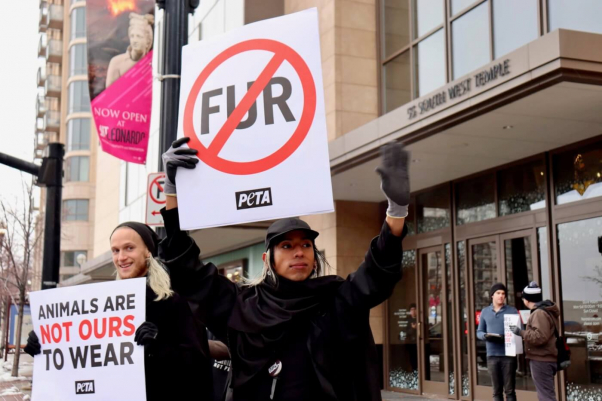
pixel 175 36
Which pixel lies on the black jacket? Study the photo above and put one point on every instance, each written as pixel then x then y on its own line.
pixel 340 341
pixel 178 364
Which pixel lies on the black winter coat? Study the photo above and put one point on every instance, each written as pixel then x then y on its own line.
pixel 340 341
pixel 178 365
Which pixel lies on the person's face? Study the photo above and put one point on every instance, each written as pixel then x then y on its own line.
pixel 499 297
pixel 129 253
pixel 413 312
pixel 138 39
pixel 294 257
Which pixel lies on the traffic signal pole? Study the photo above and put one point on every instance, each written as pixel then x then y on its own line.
pixel 49 175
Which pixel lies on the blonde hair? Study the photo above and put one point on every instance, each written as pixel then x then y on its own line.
pixel 156 278
pixel 268 273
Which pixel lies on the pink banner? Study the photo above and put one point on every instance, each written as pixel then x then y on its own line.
pixel 120 41
pixel 122 113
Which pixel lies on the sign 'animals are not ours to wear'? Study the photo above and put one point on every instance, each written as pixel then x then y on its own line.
pixel 252 104
pixel 87 337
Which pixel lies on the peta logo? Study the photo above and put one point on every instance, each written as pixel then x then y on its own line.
pixel 84 387
pixel 254 198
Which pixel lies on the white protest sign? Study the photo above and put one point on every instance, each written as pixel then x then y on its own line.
pixel 155 199
pixel 87 338
pixel 524 315
pixel 252 104
pixel 514 343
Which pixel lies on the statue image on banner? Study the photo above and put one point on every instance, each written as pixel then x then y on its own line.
pixel 120 74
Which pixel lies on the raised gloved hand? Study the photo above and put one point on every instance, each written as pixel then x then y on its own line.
pixel 395 178
pixel 146 334
pixel 177 157
pixel 33 346
pixel 515 329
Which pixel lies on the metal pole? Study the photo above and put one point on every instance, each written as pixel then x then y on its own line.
pixel 19 164
pixel 52 178
pixel 175 36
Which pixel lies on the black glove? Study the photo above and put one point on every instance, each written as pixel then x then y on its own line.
pixel 395 178
pixel 174 158
pixel 146 334
pixel 515 329
pixel 33 346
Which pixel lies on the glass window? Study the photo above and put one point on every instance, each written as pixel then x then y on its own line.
pixel 410 220
pixel 521 188
pixel 78 23
pixel 578 15
pixel 432 209
pixel 430 63
pixel 463 317
pixel 79 97
pixel 403 325
pixel 396 16
pixel 470 35
pixel 578 174
pixel 428 16
pixel 450 320
pixel 544 264
pixel 475 199
pixel 70 258
pixel 459 5
pixel 75 209
pixel 396 78
pixel 78 60
pixel 77 168
pixel 78 131
pixel 581 278
pixel 512 29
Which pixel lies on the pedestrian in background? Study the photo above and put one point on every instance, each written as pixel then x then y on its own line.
pixel 293 333
pixel 540 340
pixel 502 368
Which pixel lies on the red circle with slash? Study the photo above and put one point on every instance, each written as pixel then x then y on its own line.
pixel 150 189
pixel 282 53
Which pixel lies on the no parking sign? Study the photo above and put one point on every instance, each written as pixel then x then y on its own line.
pixel 252 103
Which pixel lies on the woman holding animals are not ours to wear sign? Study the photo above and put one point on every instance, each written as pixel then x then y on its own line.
pixel 176 360
pixel 293 333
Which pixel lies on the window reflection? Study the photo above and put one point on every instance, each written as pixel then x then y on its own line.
pixel 463 317
pixel 578 15
pixel 512 29
pixel 429 15
pixel 403 325
pixel 470 34
pixel 521 188
pixel 397 76
pixel 578 174
pixel 459 5
pixel 432 209
pixel 449 320
pixel 581 276
pixel 396 25
pixel 475 199
pixel 430 63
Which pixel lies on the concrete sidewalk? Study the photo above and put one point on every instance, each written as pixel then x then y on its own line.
pixel 393 396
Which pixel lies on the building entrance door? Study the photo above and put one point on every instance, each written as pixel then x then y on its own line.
pixel 432 321
pixel 511 259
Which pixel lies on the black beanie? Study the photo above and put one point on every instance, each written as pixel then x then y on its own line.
pixel 532 292
pixel 149 237
pixel 497 287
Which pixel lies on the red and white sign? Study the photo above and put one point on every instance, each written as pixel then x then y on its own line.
pixel 155 199
pixel 252 104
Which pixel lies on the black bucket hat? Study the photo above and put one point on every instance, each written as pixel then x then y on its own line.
pixel 283 226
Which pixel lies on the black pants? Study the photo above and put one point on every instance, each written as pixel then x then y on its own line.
pixel 543 377
pixel 503 376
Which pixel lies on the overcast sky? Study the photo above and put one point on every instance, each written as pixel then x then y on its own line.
pixel 18 88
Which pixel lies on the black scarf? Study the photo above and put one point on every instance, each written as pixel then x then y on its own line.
pixel 263 315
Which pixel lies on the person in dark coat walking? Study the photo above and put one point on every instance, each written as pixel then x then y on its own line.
pixel 293 333
pixel 176 354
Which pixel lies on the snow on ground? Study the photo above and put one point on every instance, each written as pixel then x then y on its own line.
pixel 25 369
pixel 11 391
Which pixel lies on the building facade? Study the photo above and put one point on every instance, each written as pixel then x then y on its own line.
pixel 498 101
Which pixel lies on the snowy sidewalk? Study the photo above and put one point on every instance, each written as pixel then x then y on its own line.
pixel 16 388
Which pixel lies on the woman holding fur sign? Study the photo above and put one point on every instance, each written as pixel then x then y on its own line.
pixel 175 348
pixel 293 333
